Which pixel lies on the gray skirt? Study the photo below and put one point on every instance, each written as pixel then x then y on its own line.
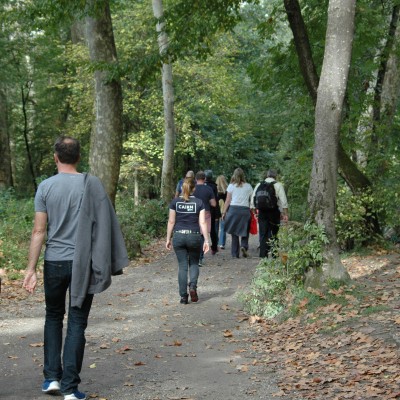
pixel 237 221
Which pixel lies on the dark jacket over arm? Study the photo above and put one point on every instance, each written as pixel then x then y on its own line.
pixel 100 250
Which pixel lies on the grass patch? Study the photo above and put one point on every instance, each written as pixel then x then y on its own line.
pixel 374 309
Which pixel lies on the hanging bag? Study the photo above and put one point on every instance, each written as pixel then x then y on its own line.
pixel 253 223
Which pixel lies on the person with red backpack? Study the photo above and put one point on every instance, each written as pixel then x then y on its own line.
pixel 269 199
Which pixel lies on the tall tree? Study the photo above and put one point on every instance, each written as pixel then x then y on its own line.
pixel 167 183
pixel 328 117
pixel 5 156
pixel 106 139
pixel 356 180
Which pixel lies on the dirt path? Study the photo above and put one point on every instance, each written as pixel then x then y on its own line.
pixel 143 344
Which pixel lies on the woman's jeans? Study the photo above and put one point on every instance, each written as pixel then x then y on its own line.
pixel 235 247
pixel 187 248
pixel 57 278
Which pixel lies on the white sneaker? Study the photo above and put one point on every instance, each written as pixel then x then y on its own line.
pixel 49 386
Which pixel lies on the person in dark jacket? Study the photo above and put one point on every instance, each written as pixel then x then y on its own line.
pixel 205 193
pixel 222 185
pixel 61 212
pixel 215 211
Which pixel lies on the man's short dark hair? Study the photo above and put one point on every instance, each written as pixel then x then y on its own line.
pixel 200 176
pixel 272 173
pixel 209 174
pixel 68 149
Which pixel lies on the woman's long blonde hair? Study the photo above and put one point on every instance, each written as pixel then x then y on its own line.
pixel 238 177
pixel 221 183
pixel 188 188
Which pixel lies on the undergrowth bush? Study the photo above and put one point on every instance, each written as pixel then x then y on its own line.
pixel 353 218
pixel 16 222
pixel 141 223
pixel 299 248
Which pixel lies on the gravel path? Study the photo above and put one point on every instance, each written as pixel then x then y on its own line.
pixel 143 344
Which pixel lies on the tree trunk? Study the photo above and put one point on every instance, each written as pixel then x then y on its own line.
pixel 167 183
pixel 328 117
pixel 24 100
pixel 303 48
pixel 355 179
pixel 5 154
pixel 106 139
pixel 391 82
pixel 388 49
pixel 351 174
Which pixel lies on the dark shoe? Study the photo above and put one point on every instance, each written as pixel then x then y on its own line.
pixel 193 295
pixel 222 247
pixel 214 252
pixel 77 395
pixel 200 262
pixel 185 299
pixel 244 252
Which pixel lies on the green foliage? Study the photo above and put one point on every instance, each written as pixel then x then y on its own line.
pixel 354 215
pixel 299 248
pixel 16 222
pixel 140 223
pixel 192 24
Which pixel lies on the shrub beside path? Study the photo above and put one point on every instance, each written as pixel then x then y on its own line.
pixel 143 344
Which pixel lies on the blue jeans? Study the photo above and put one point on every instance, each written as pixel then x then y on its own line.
pixel 222 234
pixel 187 248
pixel 244 242
pixel 57 278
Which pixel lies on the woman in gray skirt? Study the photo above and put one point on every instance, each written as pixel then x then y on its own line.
pixel 236 214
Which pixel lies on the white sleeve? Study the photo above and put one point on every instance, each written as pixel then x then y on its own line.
pixel 281 195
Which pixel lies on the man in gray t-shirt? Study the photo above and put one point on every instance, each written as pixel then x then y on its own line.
pixel 57 204
pixel 59 197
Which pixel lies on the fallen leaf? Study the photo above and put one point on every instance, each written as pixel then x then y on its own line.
pixel 39 344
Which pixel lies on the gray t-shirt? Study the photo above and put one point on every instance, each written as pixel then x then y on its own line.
pixel 60 197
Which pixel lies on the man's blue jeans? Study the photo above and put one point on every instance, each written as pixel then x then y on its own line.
pixel 187 248
pixel 57 278
pixel 222 234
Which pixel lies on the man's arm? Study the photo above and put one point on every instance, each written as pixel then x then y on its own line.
pixel 35 247
pixel 283 200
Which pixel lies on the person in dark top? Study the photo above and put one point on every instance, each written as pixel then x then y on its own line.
pixel 222 185
pixel 205 193
pixel 187 224
pixel 215 212
pixel 178 190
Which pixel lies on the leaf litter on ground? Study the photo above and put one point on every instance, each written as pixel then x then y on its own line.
pixel 343 350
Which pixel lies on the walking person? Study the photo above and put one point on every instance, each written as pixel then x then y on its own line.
pixel 269 198
pixel 214 211
pixel 79 257
pixel 236 213
pixel 205 193
pixel 186 223
pixel 178 189
pixel 222 185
